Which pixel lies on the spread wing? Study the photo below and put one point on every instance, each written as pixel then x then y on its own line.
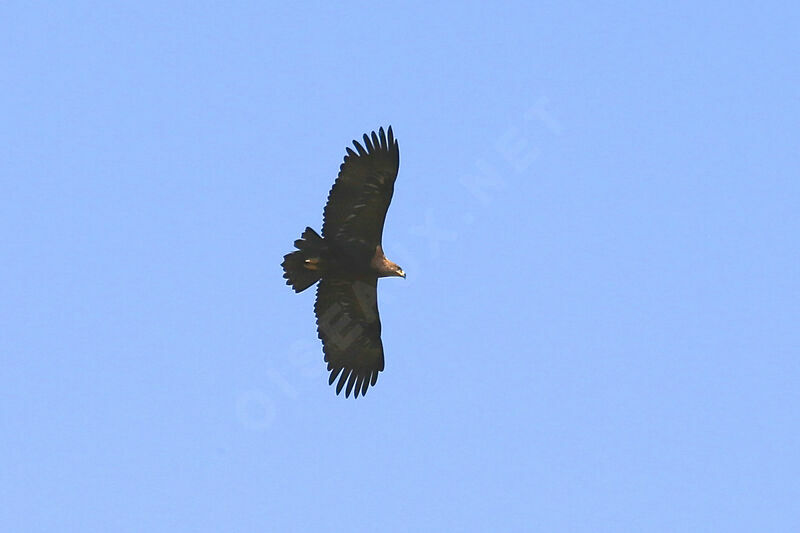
pixel 350 329
pixel 360 196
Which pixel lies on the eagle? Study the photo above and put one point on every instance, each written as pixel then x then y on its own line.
pixel 347 261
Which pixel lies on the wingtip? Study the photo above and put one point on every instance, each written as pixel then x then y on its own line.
pixel 382 136
pixel 342 380
pixel 360 148
pixel 350 383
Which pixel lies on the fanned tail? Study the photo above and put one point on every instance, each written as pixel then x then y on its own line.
pixel 303 268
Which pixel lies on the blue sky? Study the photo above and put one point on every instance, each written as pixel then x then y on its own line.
pixel 597 209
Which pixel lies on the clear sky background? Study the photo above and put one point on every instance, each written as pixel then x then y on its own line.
pixel 597 209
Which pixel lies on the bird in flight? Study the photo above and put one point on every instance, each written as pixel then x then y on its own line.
pixel 348 259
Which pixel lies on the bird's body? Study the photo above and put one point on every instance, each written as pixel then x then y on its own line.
pixel 348 259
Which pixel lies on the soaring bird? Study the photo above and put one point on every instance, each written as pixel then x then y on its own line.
pixel 348 259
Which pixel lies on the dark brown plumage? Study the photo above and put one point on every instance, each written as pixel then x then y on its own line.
pixel 348 259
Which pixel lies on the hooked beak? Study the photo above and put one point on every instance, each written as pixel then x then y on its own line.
pixel 402 274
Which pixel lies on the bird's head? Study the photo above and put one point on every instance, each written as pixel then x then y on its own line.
pixel 395 270
pixel 384 267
